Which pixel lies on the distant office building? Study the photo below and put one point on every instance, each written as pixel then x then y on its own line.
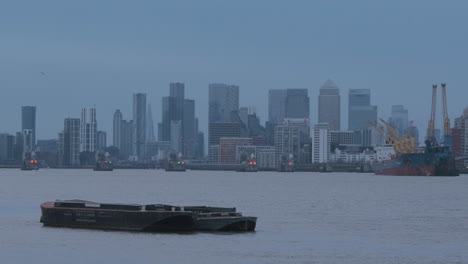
pixel 176 136
pixel 304 127
pixel 369 137
pixel 101 140
pixel 126 145
pixel 254 127
pixel 360 113
pixel 461 124
pixel 297 103
pixel 117 129
pixel 48 145
pixel 340 138
pixel 150 137
pixel 189 130
pixel 177 90
pixel 287 143
pixel 244 114
pixel 7 143
pixel 329 105
pixel 28 141
pixel 399 119
pixel 139 124
pixel 18 153
pixel 227 148
pixel 414 132
pixel 200 145
pixel 276 105
pixel 223 100
pixel 172 110
pixel 168 114
pixel 213 154
pixel 219 130
pixel 70 142
pixel 28 121
pixel 321 143
pixel 264 155
pixel 88 131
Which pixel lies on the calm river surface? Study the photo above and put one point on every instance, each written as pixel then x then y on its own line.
pixel 302 217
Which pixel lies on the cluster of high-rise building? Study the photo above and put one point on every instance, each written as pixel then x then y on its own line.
pixel 235 132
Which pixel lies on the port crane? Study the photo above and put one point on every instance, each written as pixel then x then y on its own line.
pixel 401 144
pixel 447 138
pixel 447 133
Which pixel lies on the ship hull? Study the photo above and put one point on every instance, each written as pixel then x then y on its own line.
pixel 418 164
pixel 124 220
pixel 148 218
pixel 226 223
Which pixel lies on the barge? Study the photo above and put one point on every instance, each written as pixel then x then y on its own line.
pixel 149 218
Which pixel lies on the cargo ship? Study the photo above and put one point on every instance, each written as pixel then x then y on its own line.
pixel 440 161
pixel 149 218
pixel 405 160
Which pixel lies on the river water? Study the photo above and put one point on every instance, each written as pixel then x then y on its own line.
pixel 302 217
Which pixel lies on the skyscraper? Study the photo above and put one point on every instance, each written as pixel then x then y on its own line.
pixel 88 131
pixel 223 100
pixel 150 137
pixel 172 109
pixel 176 136
pixel 360 113
pixel 276 105
pixel 70 142
pixel 297 103
pixel 117 129
pixel 200 145
pixel 28 121
pixel 139 124
pixel 126 143
pixel 329 105
pixel 27 137
pixel 101 140
pixel 7 143
pixel 399 119
pixel 177 90
pixel 189 132
pixel 321 143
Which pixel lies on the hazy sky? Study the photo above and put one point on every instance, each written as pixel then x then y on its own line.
pixel 100 52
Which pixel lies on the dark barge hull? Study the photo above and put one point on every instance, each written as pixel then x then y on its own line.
pixel 149 218
pixel 103 169
pixel 418 164
pixel 116 219
pixel 226 223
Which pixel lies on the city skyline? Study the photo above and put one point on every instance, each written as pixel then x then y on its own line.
pixel 314 114
pixel 45 64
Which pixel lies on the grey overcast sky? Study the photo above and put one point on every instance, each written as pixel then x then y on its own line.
pixel 100 52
